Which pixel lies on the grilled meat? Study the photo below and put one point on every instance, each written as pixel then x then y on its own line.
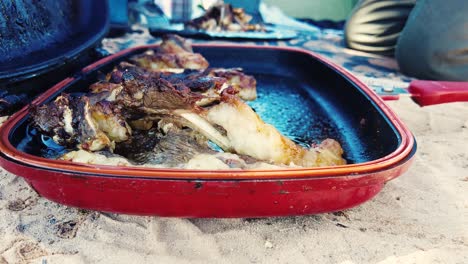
pixel 109 119
pixel 138 116
pixel 81 121
pixel 248 134
pixel 98 158
pixel 243 84
pixel 141 141
pixel 174 149
pixel 56 119
pixel 156 94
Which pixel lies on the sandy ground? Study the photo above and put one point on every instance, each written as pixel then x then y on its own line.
pixel 421 217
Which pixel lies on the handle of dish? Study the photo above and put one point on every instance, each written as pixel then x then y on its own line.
pixel 427 93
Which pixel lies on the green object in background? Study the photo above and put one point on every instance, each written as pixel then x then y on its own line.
pixel 336 10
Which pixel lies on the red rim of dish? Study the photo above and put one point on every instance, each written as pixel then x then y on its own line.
pixel 400 154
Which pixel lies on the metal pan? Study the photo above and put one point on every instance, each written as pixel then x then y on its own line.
pixel 306 97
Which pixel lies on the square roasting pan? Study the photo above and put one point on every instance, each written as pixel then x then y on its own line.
pixel 302 94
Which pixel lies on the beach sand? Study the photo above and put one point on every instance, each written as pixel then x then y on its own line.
pixel 420 217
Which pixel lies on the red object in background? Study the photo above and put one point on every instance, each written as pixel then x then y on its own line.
pixel 254 193
pixel 426 93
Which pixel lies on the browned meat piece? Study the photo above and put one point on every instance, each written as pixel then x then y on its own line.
pixel 216 18
pixel 100 124
pixel 243 84
pixel 90 137
pixel 157 94
pixel 131 86
pixel 103 86
pixel 56 120
pixel 210 82
pixel 174 54
pixel 204 87
pixel 213 81
pixel 196 81
pixel 156 61
pixel 110 120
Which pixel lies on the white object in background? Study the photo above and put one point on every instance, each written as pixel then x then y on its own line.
pixel 166 7
pixel 274 15
pixel 177 10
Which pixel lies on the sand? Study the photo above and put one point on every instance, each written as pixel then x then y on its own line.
pixel 420 217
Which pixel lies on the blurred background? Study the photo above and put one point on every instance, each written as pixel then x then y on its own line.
pixel 335 10
pixel 183 10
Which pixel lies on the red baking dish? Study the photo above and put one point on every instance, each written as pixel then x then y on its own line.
pixel 305 96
